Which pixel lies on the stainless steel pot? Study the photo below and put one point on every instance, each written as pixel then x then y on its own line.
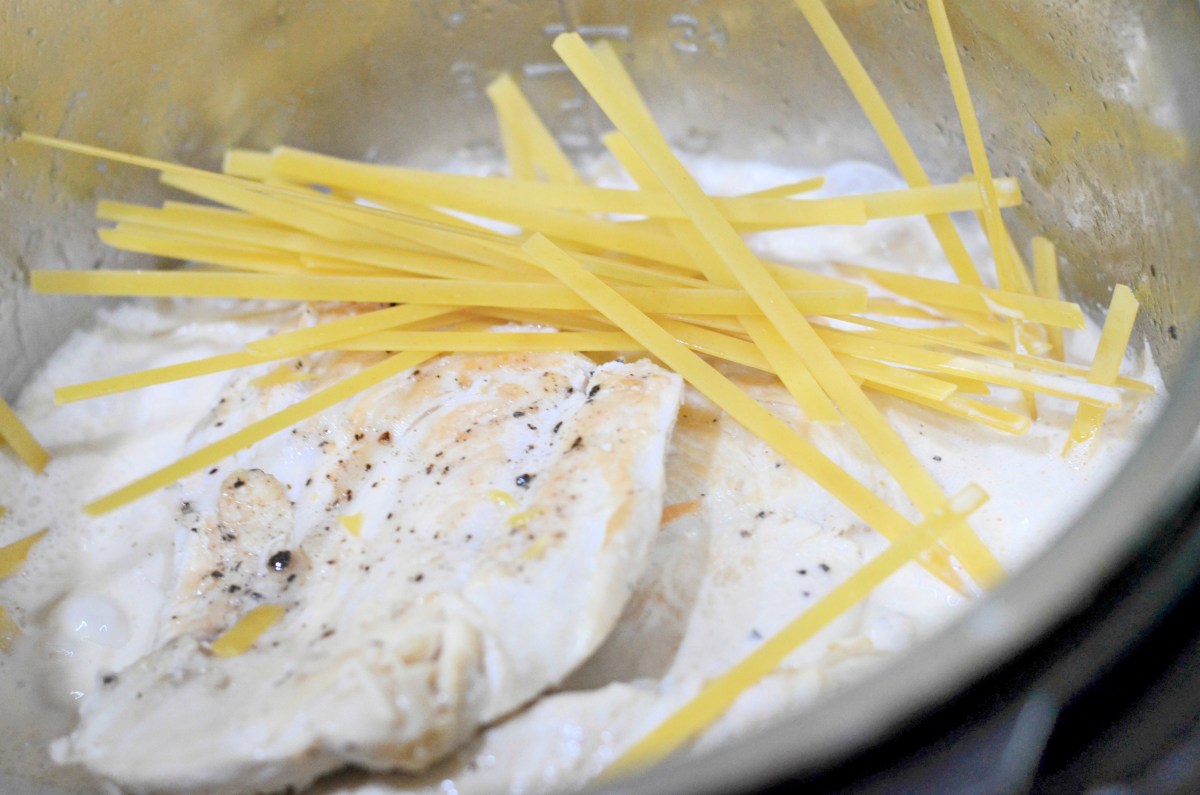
pixel 1093 105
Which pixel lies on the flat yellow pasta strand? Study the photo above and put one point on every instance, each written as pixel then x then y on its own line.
pixel 324 334
pixel 784 361
pixel 533 135
pixel 1114 339
pixel 720 693
pixel 18 437
pixel 420 291
pixel 888 130
pixel 630 116
pixel 212 453
pixel 997 233
pixel 716 387
pixel 1045 276
pixel 12 556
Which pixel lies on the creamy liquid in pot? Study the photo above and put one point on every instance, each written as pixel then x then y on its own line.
pixel 89 596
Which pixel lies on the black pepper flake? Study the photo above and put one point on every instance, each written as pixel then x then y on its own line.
pixel 523 481
pixel 212 471
pixel 233 588
pixel 937 458
pixel 557 425
pixel 108 679
pixel 1173 332
pixel 760 515
pixel 825 568
pixel 745 533
pixel 308 482
pixel 518 414
pixel 802 572
pixel 291 577
pixel 577 443
pixel 217 574
pixel 755 635
pixel 186 507
pixel 358 437
pixel 531 426
pixel 237 484
pixel 593 391
pixel 327 633
pixel 429 469
pixel 280 560
pixel 385 437
pixel 418 578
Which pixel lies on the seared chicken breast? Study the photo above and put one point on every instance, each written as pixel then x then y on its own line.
pixel 747 543
pixel 445 547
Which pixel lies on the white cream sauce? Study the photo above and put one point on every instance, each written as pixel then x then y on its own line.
pixel 89 597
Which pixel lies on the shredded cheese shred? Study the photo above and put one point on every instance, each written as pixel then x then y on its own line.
pixel 241 637
pixel 352 523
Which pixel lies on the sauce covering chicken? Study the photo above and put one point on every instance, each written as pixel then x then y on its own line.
pixel 557 555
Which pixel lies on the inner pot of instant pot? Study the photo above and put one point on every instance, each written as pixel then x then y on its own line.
pixel 1090 106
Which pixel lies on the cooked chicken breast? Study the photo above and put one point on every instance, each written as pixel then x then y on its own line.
pixel 747 543
pixel 446 546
